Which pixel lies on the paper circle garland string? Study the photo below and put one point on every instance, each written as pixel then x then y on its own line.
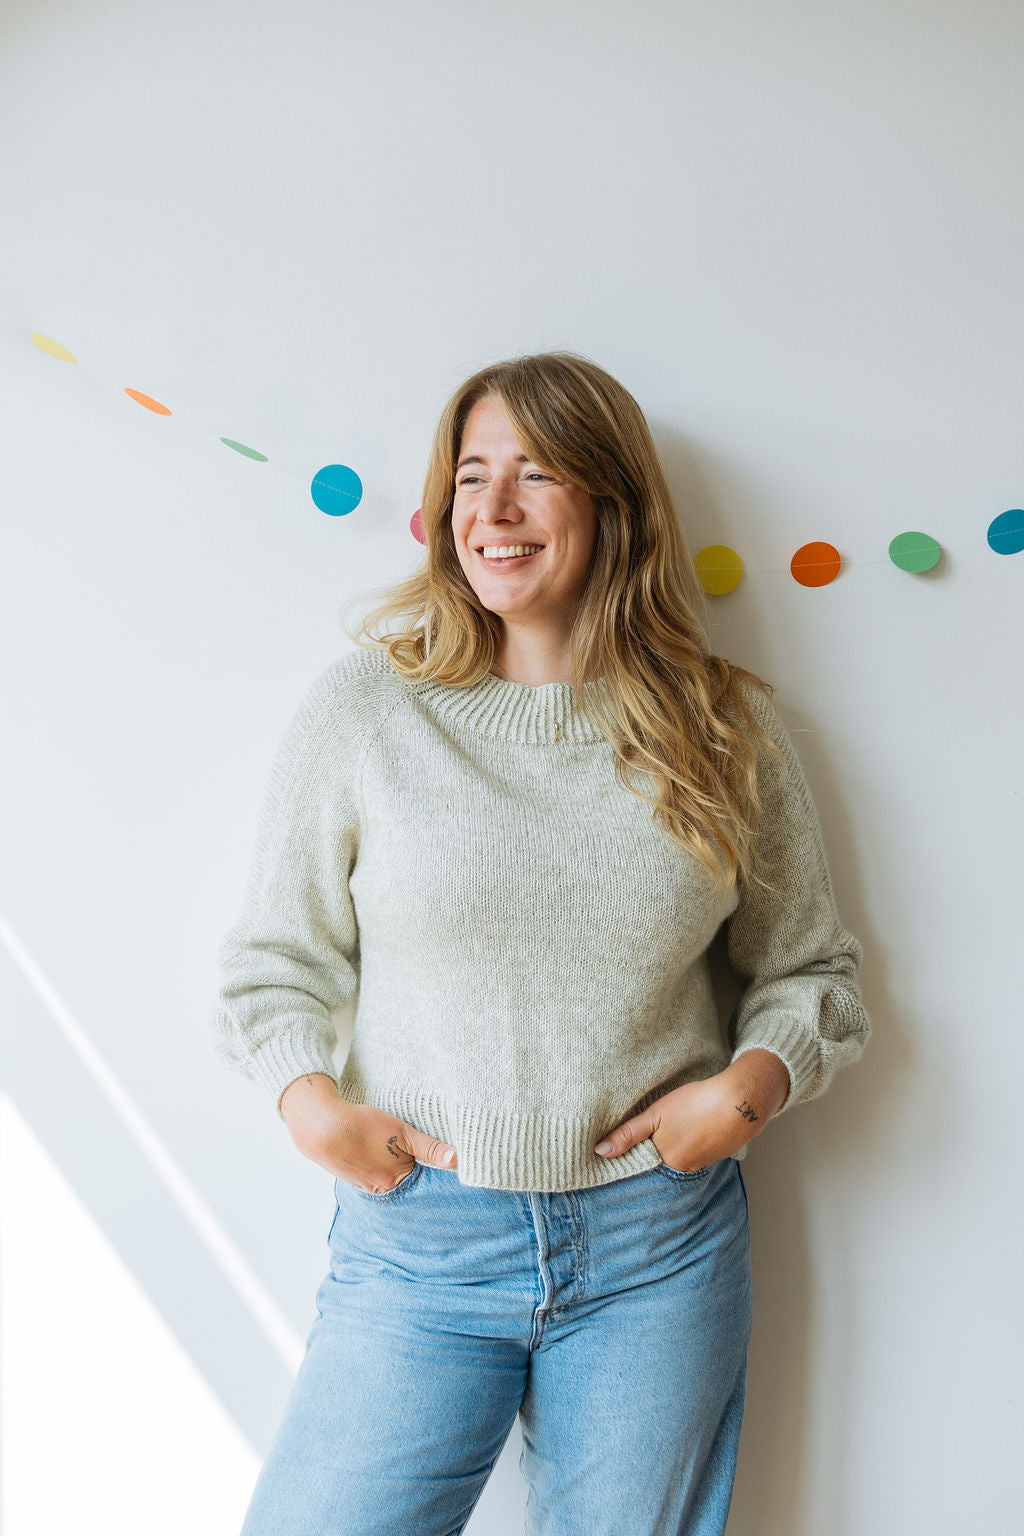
pixel 719 568
pixel 336 490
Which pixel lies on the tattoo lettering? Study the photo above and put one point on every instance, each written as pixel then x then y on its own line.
pixel 745 1110
pixel 391 1148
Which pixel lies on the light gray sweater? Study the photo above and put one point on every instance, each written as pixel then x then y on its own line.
pixel 528 948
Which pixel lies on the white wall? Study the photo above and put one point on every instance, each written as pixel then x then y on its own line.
pixel 795 233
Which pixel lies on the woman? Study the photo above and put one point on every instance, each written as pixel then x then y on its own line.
pixel 515 823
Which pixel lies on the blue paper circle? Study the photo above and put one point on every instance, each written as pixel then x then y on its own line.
pixel 1006 532
pixel 336 489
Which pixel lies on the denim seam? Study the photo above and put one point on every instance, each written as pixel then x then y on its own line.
pixel 579 1243
pixel 682 1175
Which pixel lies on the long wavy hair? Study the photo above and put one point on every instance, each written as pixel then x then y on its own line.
pixel 674 712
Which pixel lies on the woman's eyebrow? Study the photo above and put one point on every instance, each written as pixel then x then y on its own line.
pixel 474 458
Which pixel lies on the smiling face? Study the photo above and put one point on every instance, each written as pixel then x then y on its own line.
pixel 504 500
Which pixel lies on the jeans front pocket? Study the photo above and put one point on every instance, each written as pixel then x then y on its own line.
pixel 686 1175
pixel 405 1182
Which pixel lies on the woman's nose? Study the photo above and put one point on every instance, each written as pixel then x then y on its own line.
pixel 497 498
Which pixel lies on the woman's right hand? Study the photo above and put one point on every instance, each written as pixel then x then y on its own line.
pixel 364 1146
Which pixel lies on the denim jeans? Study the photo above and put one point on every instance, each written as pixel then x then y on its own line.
pixel 614 1320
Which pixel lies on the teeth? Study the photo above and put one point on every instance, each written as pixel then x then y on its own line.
pixel 508 551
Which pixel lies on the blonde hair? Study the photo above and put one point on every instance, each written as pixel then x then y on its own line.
pixel 668 704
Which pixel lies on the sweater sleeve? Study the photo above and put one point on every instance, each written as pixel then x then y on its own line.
pixel 802 1001
pixel 291 958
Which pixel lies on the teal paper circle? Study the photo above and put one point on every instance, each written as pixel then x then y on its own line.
pixel 336 489
pixel 1006 532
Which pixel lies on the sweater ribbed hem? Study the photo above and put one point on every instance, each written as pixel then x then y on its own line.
pixel 499 1150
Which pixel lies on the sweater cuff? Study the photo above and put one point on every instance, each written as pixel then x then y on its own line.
pixel 283 1058
pixel 795 1048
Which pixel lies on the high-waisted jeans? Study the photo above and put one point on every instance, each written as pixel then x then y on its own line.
pixel 614 1320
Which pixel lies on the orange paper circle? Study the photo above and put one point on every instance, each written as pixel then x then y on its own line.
pixel 815 565
pixel 147 401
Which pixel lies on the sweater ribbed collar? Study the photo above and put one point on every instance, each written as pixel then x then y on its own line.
pixel 538 713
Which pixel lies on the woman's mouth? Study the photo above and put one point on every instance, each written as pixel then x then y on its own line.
pixel 505 557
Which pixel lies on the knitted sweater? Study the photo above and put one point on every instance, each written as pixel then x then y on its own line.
pixel 527 947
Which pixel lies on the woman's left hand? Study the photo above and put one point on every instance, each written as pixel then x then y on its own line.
pixel 702 1122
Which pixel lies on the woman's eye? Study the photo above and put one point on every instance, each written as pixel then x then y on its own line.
pixel 534 474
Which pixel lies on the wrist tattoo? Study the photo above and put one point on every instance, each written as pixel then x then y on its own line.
pixel 745 1110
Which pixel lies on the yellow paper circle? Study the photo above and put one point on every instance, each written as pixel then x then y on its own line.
pixel 47 344
pixel 718 568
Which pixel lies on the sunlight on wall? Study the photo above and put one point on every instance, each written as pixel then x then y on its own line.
pixel 105 1424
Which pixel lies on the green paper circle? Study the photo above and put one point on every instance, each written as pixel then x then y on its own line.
pixel 250 453
pixel 914 551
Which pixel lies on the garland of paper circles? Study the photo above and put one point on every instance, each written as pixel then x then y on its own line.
pixel 336 490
